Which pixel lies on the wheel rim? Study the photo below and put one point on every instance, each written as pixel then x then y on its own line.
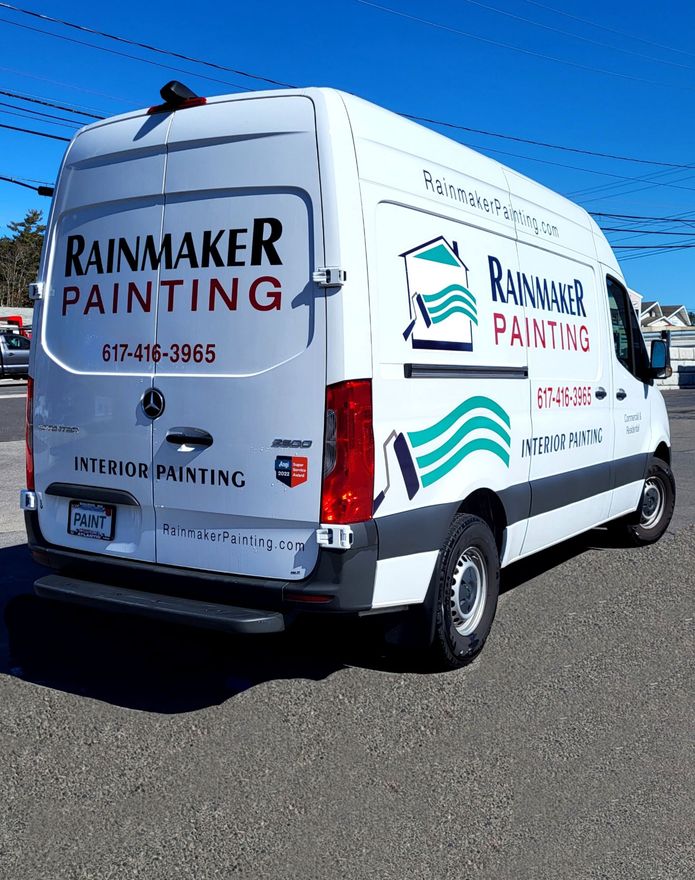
pixel 468 591
pixel 653 501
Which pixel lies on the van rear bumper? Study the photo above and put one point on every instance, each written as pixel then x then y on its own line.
pixel 172 608
pixel 342 581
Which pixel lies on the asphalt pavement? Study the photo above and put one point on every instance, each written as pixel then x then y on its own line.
pixel 132 749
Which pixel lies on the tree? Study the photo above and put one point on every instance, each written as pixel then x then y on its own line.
pixel 19 258
pixel 691 318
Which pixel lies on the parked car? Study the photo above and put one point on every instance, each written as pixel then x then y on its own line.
pixel 14 356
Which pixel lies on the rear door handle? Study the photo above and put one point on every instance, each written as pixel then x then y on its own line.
pixel 621 394
pixel 189 437
pixel 600 393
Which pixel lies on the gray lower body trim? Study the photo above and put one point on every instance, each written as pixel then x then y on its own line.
pixel 414 531
pixel 551 493
pixel 425 528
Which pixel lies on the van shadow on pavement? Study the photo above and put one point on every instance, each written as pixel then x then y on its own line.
pixel 152 666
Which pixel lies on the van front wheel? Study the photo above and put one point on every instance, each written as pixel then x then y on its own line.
pixel 467 582
pixel 656 505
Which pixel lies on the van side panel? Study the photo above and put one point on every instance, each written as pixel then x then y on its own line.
pixel 571 446
pixel 451 392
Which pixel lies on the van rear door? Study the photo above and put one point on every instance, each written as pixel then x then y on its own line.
pixel 92 441
pixel 241 341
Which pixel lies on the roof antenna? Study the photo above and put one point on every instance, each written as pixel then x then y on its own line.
pixel 176 93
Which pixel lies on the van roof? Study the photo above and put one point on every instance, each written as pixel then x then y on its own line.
pixel 369 121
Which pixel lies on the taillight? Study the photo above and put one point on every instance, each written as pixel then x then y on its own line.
pixel 29 433
pixel 348 462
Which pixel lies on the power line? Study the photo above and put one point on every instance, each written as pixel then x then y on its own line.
pixel 535 143
pixel 640 231
pixel 575 36
pixel 621 179
pixel 627 192
pixel 524 51
pixel 278 82
pixel 651 247
pixel 611 30
pixel 41 190
pixel 16 177
pixel 38 116
pixel 654 178
pixel 631 257
pixel 639 217
pixel 118 99
pixel 46 103
pixel 27 27
pixel 150 48
pixel 43 134
pixel 18 183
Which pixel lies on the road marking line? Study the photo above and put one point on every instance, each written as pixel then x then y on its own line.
pixel 8 396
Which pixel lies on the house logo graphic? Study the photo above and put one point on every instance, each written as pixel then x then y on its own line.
pixel 442 308
pixel 478 424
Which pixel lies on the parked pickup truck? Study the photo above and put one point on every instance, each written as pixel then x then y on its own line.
pixel 14 356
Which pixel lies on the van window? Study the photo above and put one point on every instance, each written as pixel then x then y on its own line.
pixel 627 336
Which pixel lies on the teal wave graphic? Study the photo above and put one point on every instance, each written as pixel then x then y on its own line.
pixel 436 319
pixel 445 291
pixel 427 435
pixel 451 451
pixel 474 424
pixel 460 454
pixel 450 300
pixel 469 302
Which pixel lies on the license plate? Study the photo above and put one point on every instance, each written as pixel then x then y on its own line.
pixel 90 520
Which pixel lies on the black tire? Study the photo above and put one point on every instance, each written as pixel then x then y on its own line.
pixel 652 517
pixel 468 565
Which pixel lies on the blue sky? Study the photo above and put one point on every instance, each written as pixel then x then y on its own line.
pixel 614 78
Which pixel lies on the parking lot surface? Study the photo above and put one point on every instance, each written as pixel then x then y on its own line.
pixel 134 749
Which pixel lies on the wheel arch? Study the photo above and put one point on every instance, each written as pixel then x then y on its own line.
pixel 487 505
pixel 663 451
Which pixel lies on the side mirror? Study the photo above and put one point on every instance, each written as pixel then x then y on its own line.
pixel 660 360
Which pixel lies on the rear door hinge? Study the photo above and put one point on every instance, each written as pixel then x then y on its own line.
pixel 330 276
pixel 36 290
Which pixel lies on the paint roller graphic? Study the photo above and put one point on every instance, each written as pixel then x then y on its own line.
pixel 437 307
pixel 425 456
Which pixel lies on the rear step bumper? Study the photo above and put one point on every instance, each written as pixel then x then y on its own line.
pixel 171 608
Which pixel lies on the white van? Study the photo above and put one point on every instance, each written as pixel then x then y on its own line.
pixel 294 353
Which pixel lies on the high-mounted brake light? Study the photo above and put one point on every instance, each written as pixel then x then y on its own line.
pixel 348 458
pixel 29 433
pixel 176 96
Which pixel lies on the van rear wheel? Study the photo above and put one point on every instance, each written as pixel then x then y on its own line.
pixel 467 583
pixel 656 505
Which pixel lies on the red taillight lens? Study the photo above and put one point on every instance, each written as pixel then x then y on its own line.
pixel 29 433
pixel 348 464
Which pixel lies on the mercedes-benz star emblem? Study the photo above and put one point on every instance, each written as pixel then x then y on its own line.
pixel 153 403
